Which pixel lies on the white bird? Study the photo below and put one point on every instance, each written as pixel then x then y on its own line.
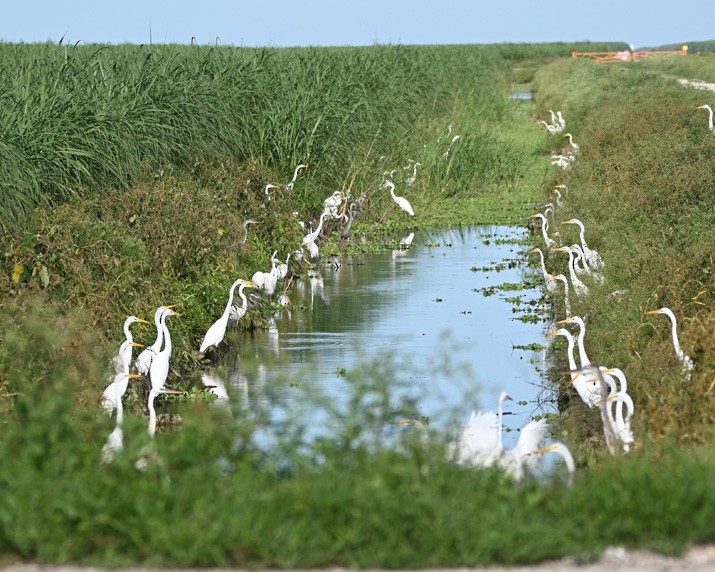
pixel 313 235
pixel 159 370
pixel 552 129
pixel 587 389
pixel 567 303
pixel 144 359
pixel 622 422
pixel 270 280
pixel 282 268
pixel 559 199
pixel 245 229
pixel 331 205
pixel 686 362
pixel 115 440
pixel 523 458
pixel 592 257
pixel 560 120
pixel 124 355
pixel 297 171
pixel 268 187
pixel 411 180
pixel 710 114
pixel 575 146
pixel 479 442
pixel 563 451
pixel 548 278
pixel 259 278
pixel 579 287
pixel 550 242
pixel 402 202
pixel 217 331
pixel 581 264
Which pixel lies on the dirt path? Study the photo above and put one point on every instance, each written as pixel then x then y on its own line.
pixel 698 559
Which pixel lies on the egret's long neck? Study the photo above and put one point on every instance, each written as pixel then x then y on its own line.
pixel 582 236
pixel 544 228
pixel 569 354
pixel 244 300
pixel 710 120
pixel 581 346
pixel 674 331
pixel 543 265
pixel 159 334
pixel 230 299
pixel 167 339
pixel 152 413
pixel 128 333
pixel 572 271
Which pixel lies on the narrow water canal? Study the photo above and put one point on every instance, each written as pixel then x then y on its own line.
pixel 438 307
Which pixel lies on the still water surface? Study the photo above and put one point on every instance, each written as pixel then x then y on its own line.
pixel 424 307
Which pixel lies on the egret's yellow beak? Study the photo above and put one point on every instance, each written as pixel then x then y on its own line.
pixel 136 344
pixel 144 321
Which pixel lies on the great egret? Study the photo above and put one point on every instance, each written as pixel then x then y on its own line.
pixel 563 451
pixel 297 171
pixel 548 278
pixel 552 129
pixel 522 457
pixel 282 268
pixel 411 180
pixel 445 155
pixel 402 202
pixel 559 199
pixel 567 303
pixel 587 389
pixel 259 277
pixel 581 264
pixel 144 359
pixel 710 116
pixel 594 373
pixel 270 280
pixel 479 442
pixel 159 370
pixel 686 362
pixel 113 393
pixel 217 331
pixel 124 355
pixel 115 440
pixel 592 257
pixel 622 422
pixel 245 229
pixel 579 287
pixel 313 235
pixel 268 187
pixel 575 146
pixel 550 242
pixel 331 205
pixel 560 120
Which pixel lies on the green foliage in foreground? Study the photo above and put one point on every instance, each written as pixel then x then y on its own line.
pixel 368 494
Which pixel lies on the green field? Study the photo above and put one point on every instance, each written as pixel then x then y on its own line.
pixel 127 172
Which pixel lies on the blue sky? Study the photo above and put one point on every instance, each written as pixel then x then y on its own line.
pixel 357 22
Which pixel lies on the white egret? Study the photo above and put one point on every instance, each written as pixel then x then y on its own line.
pixel 402 202
pixel 563 451
pixel 124 355
pixel 587 388
pixel 710 116
pixel 575 146
pixel 331 205
pixel 245 229
pixel 552 129
pixel 313 251
pixel 686 362
pixel 622 422
pixel 297 171
pixel 113 393
pixel 479 442
pixel 445 155
pixel 522 457
pixel 560 120
pixel 592 257
pixel 559 199
pixel 581 265
pixel 115 440
pixel 550 242
pixel 548 278
pixel 579 287
pixel 159 370
pixel 567 303
pixel 268 187
pixel 313 235
pixel 282 268
pixel 411 180
pixel 144 359
pixel 259 277
pixel 270 280
pixel 217 331
pixel 609 427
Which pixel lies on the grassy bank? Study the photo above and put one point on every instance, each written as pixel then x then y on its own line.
pixel 643 186
pixel 370 494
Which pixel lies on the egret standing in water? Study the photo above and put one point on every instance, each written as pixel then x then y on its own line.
pixel 402 202
pixel 686 362
pixel 159 370
pixel 144 359
pixel 479 442
pixel 217 331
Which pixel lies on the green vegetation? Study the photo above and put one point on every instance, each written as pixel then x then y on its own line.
pixel 128 172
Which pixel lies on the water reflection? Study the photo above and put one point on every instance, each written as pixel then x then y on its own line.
pixel 425 307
